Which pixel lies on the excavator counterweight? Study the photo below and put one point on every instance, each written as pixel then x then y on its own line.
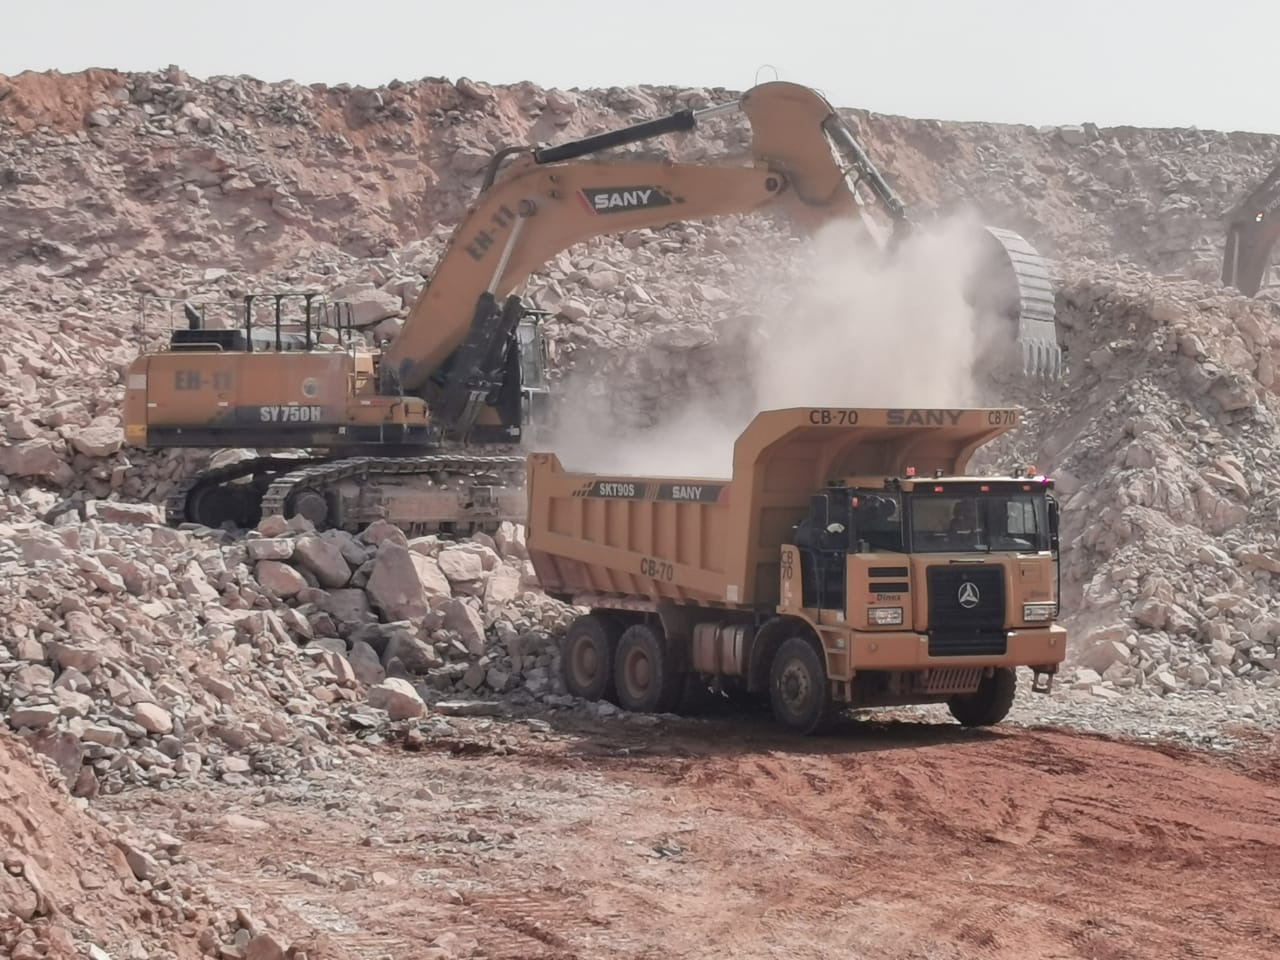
pixel 427 430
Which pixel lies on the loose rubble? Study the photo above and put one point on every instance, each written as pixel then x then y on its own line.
pixel 140 654
pixel 1160 436
pixel 136 655
pixel 70 886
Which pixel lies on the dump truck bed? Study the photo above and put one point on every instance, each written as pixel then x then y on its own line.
pixel 715 541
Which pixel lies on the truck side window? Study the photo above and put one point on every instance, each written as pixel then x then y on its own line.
pixel 877 519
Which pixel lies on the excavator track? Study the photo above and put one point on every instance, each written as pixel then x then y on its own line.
pixel 205 498
pixel 462 493
pixel 459 493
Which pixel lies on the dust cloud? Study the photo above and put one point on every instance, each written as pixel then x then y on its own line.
pixel 843 326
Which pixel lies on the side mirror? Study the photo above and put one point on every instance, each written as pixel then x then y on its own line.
pixel 1053 524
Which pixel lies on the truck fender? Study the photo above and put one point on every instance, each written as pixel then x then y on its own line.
pixel 767 640
pixel 677 634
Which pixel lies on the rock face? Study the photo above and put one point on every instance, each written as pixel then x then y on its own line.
pixel 133 654
pixel 662 342
pixel 1170 489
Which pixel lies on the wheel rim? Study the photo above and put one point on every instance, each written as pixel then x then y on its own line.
pixel 637 672
pixel 584 661
pixel 795 687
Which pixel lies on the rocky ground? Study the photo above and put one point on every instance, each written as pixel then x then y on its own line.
pixel 183 702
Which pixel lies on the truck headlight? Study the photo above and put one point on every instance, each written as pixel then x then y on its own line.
pixel 884 616
pixel 1032 612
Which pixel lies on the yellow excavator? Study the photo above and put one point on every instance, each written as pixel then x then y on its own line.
pixel 425 431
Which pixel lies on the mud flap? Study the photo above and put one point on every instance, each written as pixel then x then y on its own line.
pixel 1029 296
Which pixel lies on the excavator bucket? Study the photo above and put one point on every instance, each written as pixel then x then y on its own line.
pixel 1019 278
pixel 1011 290
pixel 1252 229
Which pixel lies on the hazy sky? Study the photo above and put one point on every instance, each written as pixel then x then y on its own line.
pixel 1141 62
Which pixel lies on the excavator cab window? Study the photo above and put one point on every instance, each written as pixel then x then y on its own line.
pixel 535 392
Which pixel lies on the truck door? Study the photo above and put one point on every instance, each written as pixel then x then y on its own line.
pixel 822 539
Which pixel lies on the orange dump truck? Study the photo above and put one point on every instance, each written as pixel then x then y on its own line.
pixel 847 562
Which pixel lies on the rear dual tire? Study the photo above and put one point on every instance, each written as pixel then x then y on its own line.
pixel 644 677
pixel 627 667
pixel 586 661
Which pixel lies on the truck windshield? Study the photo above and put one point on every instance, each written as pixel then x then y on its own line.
pixel 979 522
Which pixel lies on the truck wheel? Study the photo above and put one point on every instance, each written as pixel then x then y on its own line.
pixel 990 703
pixel 798 688
pixel 586 662
pixel 642 673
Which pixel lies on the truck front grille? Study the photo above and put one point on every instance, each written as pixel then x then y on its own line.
pixel 966 611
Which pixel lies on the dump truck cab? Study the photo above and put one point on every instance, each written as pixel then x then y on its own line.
pixel 862 547
pixel 945 579
pixel 848 561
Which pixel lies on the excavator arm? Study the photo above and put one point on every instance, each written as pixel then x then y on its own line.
pixel 801 161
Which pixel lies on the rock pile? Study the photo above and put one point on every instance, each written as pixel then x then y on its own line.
pixel 456 617
pixel 135 653
pixel 1163 442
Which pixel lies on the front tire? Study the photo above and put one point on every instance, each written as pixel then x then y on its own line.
pixel 990 703
pixel 798 688
pixel 586 662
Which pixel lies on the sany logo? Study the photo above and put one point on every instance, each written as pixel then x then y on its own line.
pixel 618 199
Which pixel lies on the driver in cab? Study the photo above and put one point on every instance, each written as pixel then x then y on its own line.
pixel 964 521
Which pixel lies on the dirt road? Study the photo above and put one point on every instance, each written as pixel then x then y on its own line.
pixel 887 840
